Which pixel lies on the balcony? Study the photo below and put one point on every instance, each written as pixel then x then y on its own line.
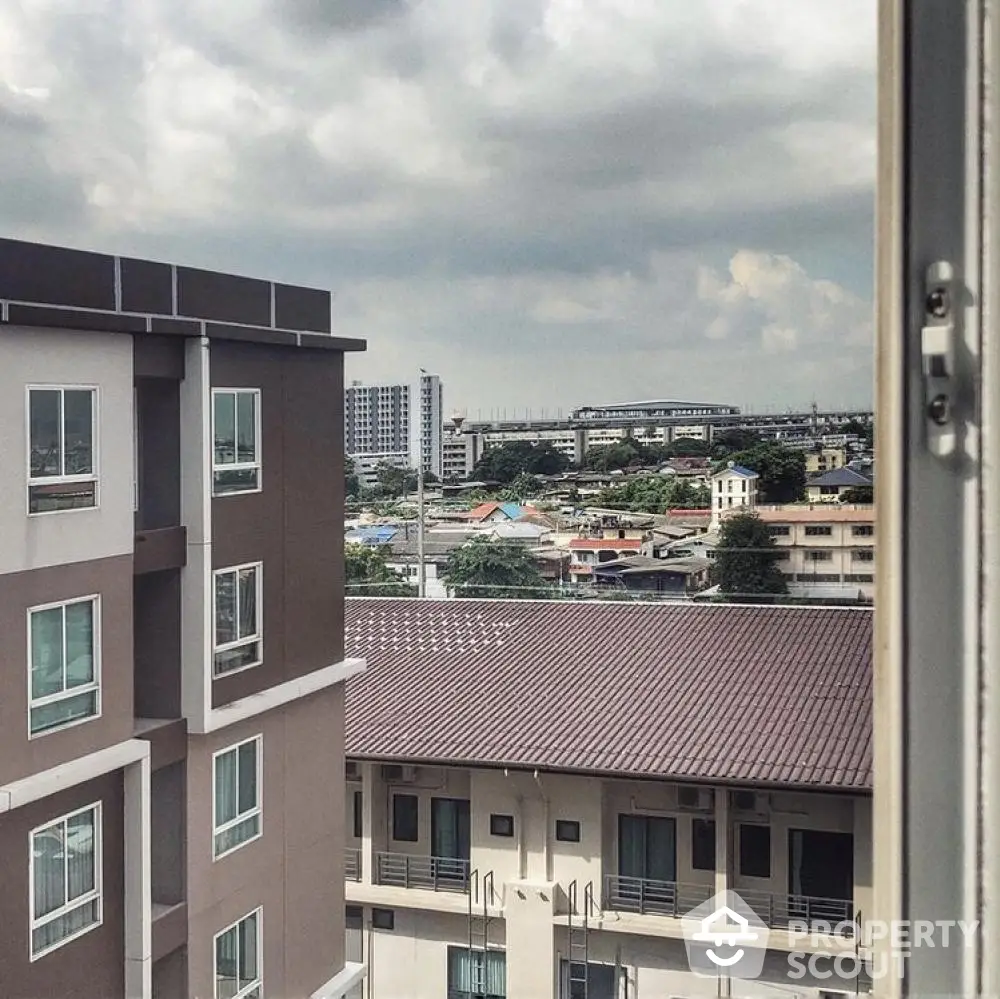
pixel 649 897
pixel 778 911
pixel 401 870
pixel 352 863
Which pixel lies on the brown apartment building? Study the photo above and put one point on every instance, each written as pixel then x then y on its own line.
pixel 171 633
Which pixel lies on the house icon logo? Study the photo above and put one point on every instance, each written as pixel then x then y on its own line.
pixel 725 937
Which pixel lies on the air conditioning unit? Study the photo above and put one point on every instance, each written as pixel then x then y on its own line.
pixel 750 801
pixel 700 799
pixel 352 771
pixel 393 773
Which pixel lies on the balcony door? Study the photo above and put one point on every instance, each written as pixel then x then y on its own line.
pixel 450 838
pixel 647 847
pixel 820 864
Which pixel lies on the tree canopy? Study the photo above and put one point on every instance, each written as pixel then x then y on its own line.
pixel 506 462
pixel 352 484
pixel 394 481
pixel 746 559
pixel 655 494
pixel 858 494
pixel 367 575
pixel 485 568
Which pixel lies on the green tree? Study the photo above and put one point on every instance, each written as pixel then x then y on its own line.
pixel 506 462
pixel 736 439
pixel 367 575
pixel 654 494
pixel 485 568
pixel 393 481
pixel 523 487
pixel 782 470
pixel 621 454
pixel 858 494
pixel 352 484
pixel 746 559
pixel 685 448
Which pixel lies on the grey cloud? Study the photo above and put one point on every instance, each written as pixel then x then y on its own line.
pixel 337 15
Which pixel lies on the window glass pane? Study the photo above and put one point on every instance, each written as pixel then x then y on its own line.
pixel 246 427
pixel 225 608
pixel 239 832
pixel 80 644
pixel 63 711
pixel 225 428
pixel 226 972
pixel 755 851
pixel 225 788
pixel 248 603
pixel 248 951
pixel 72 922
pixel 46 652
pixel 703 844
pixel 44 417
pixel 247 777
pixel 49 870
pixel 80 873
pixel 236 480
pixel 237 658
pixel 78 417
pixel 404 818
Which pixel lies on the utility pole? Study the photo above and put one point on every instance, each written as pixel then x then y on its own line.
pixel 421 570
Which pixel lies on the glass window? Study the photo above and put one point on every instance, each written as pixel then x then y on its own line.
pixel 405 818
pixel 755 851
pixel 567 830
pixel 65 879
pixel 818 531
pixel 475 974
pixel 63 669
pixel 501 825
pixel 61 460
pixel 358 814
pixel 237 796
pixel 236 441
pixel 238 634
pixel 237 960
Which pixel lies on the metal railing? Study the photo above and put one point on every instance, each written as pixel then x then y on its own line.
pixel 778 910
pixel 403 870
pixel 352 863
pixel 661 898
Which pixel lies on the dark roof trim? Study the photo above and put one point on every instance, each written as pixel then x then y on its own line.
pixel 50 287
pixel 791 786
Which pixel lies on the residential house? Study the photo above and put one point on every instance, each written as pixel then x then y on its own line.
pixel 496 513
pixel 676 576
pixel 585 553
pixel 825 459
pixel 831 486
pixel 825 546
pixel 171 633
pixel 609 782
pixel 733 487
pixel 438 545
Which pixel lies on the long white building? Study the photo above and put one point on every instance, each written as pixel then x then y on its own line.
pixel 539 791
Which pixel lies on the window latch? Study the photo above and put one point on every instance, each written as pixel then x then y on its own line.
pixel 937 350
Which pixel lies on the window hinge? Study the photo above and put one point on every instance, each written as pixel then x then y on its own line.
pixel 937 349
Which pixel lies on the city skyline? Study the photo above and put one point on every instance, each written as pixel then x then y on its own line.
pixel 536 199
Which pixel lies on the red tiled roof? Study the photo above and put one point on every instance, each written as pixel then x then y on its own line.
pixel 725 693
pixel 600 544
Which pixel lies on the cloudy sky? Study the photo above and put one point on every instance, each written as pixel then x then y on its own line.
pixel 548 202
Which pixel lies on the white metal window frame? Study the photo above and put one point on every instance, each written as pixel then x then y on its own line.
pixel 258 982
pixel 239 466
pixel 96 894
pixel 93 687
pixel 257 636
pixel 55 480
pixel 258 809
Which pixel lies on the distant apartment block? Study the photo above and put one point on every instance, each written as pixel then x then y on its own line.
pixel 171 633
pixel 825 549
pixel 617 776
pixel 381 427
pixel 459 454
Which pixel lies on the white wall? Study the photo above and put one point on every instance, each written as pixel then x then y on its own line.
pixel 40 357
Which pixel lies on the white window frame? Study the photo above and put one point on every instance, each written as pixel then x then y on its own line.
pixel 257 637
pixel 94 685
pixel 239 466
pixel 258 983
pixel 96 894
pixel 257 810
pixel 50 480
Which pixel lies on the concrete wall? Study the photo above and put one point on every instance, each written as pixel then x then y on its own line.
pixel 101 360
pixel 294 870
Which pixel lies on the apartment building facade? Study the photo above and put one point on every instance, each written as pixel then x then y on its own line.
pixel 551 849
pixel 172 640
pixel 459 454
pixel 825 546
pixel 734 488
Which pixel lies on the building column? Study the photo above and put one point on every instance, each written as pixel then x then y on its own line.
pixel 723 840
pixel 373 819
pixel 579 446
pixel 138 882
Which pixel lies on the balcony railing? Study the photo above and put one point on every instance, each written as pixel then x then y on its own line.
pixel 778 910
pixel 661 898
pixel 352 864
pixel 401 870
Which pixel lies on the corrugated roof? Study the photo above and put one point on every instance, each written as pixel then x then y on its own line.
pixel 600 544
pixel 744 695
pixel 841 477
